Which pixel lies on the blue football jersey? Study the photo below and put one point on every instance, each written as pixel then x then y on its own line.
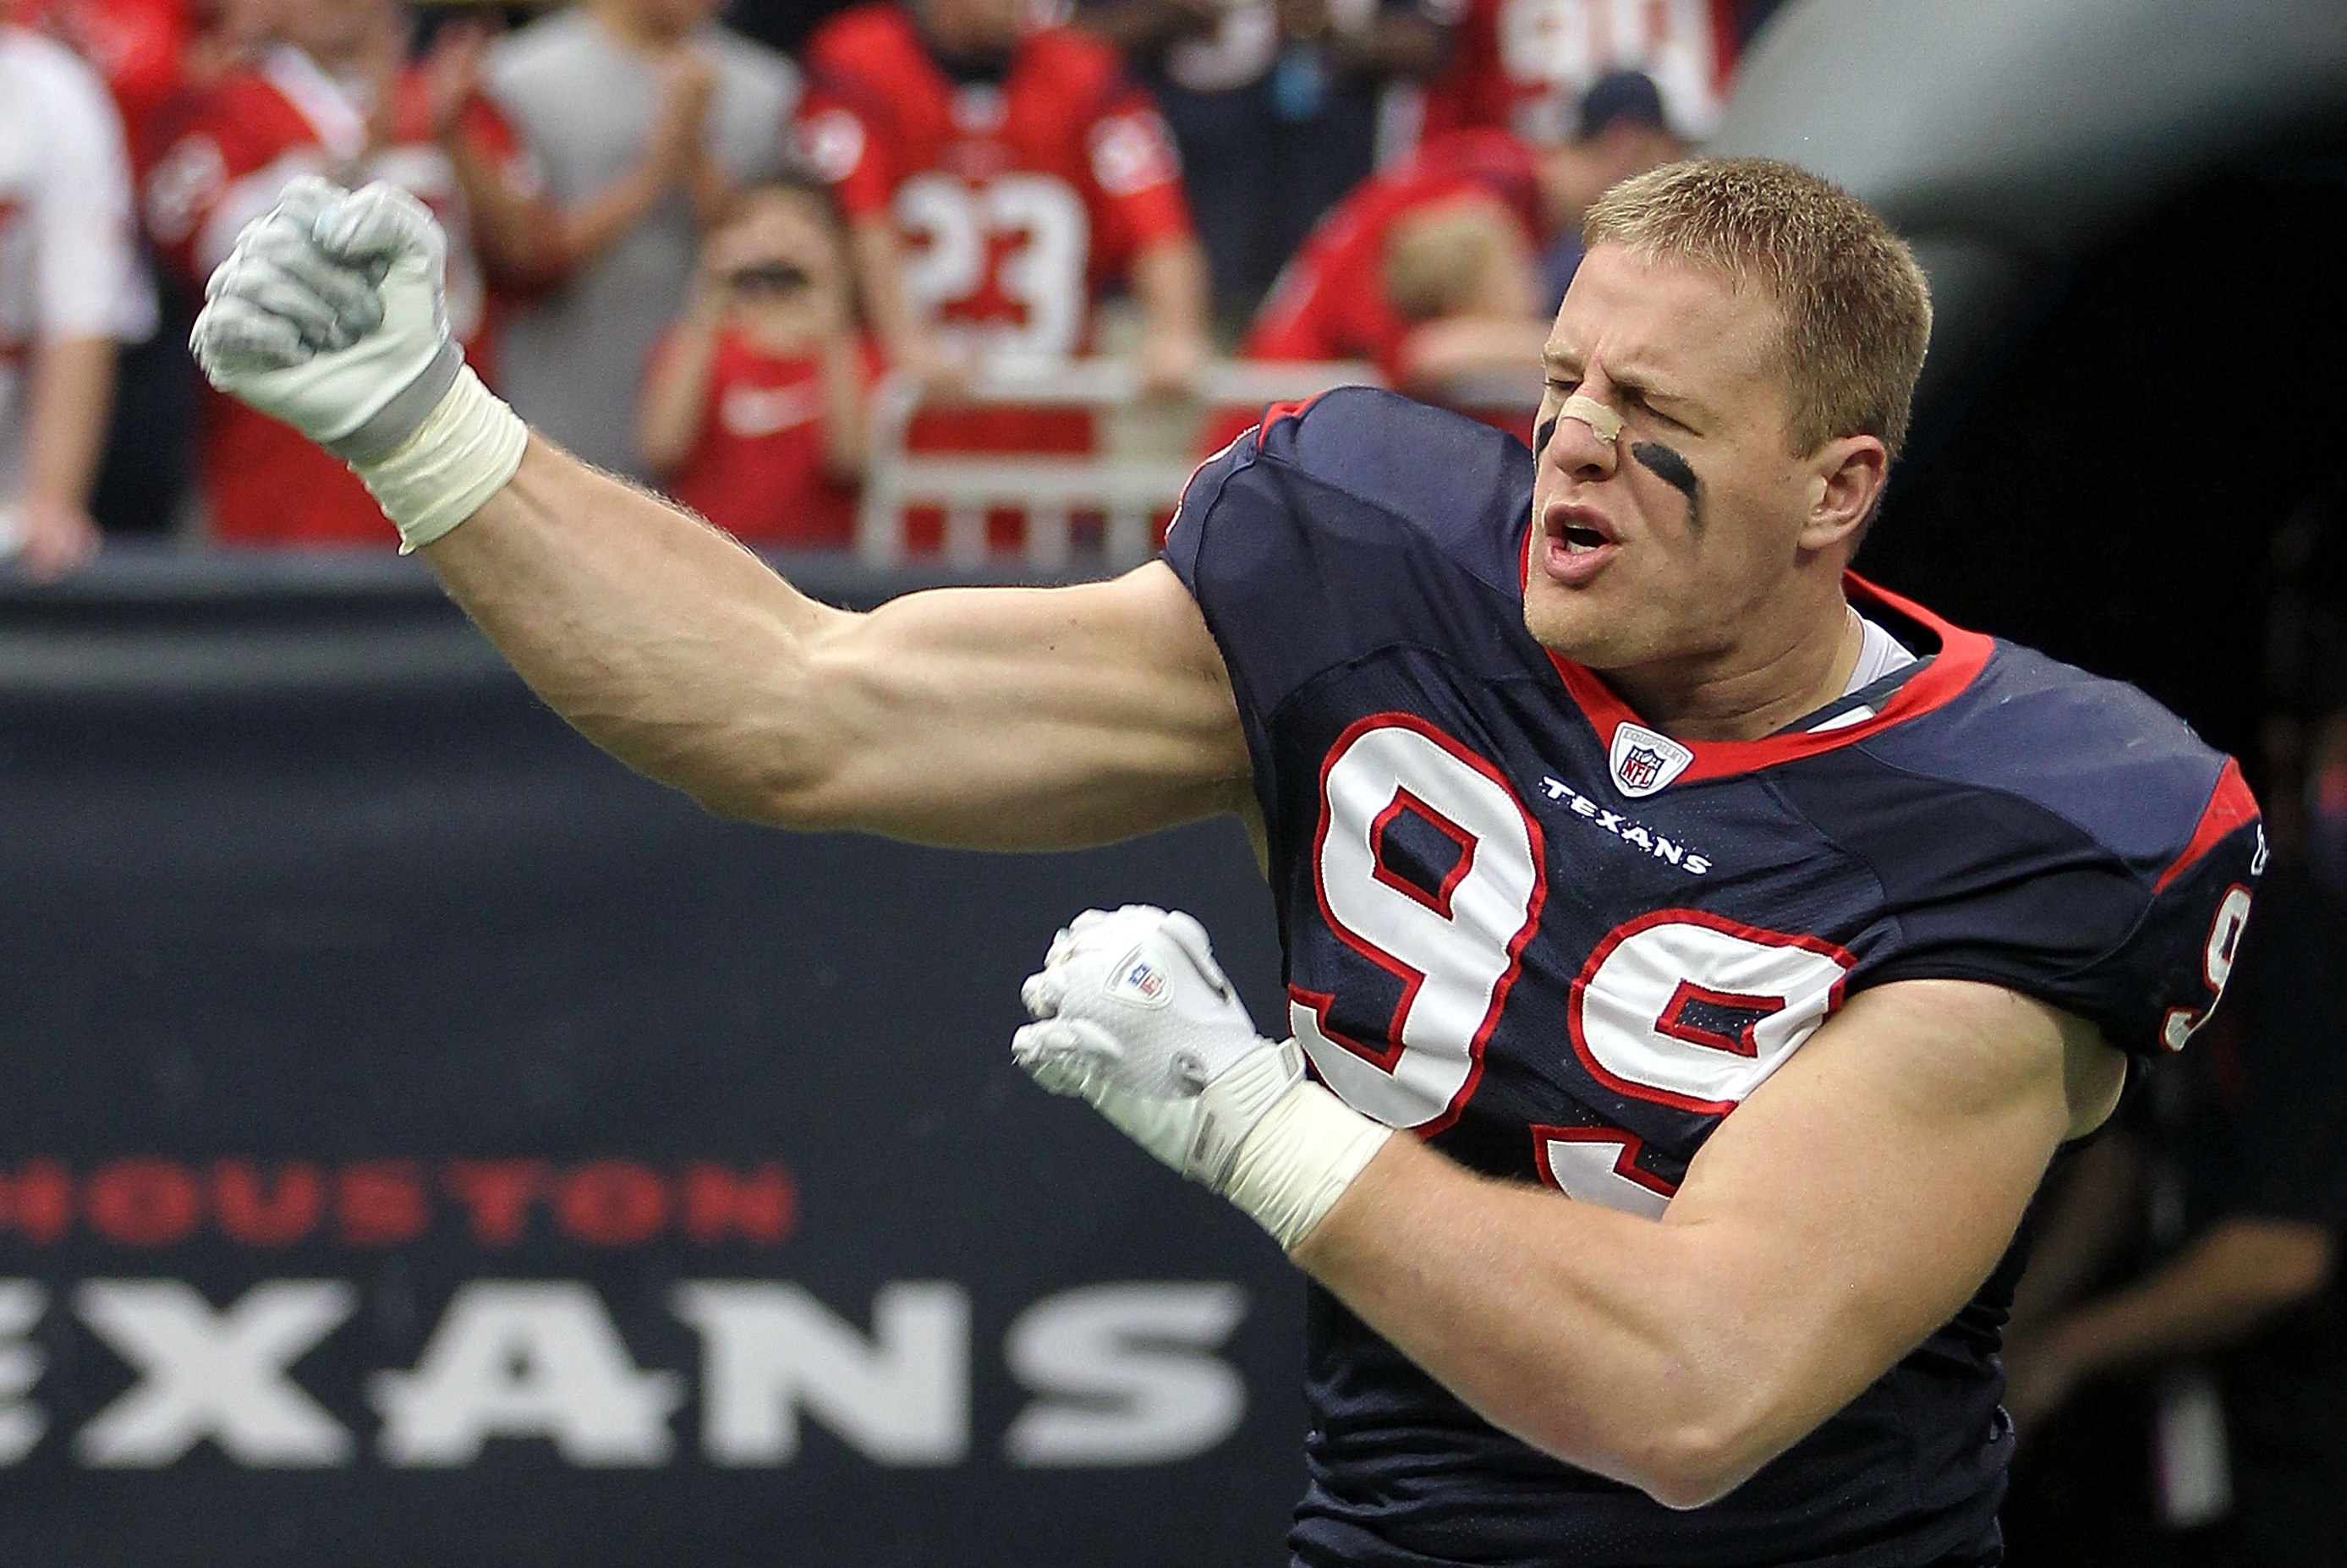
pixel 1561 945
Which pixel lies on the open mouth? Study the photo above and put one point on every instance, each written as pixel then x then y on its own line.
pixel 1578 542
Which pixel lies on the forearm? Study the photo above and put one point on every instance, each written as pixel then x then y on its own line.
pixel 1610 1341
pixel 1395 44
pixel 1808 1249
pixel 676 394
pixel 1140 29
pixel 72 386
pixel 2220 1288
pixel 591 226
pixel 709 187
pixel 843 406
pixel 663 641
pixel 1454 346
pixel 519 236
pixel 871 247
pixel 1169 278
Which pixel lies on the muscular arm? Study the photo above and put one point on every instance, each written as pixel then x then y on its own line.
pixel 988 718
pixel 1849 1207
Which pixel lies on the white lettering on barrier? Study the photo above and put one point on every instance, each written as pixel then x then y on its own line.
pixel 539 1359
pixel 218 1375
pixel 900 1398
pixel 1122 1374
pixel 21 1423
pixel 1125 1374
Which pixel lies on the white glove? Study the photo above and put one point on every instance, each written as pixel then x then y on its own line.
pixel 1133 1014
pixel 329 314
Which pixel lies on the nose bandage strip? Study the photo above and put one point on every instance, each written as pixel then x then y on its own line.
pixel 1603 422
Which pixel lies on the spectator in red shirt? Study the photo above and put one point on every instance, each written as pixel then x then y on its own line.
pixel 333 92
pixel 1433 268
pixel 143 48
pixel 752 411
pixel 996 177
pixel 1522 66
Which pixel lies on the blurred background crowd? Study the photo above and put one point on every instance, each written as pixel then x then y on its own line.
pixel 686 248
pixel 689 248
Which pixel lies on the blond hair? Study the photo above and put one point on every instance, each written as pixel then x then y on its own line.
pixel 1455 258
pixel 1856 313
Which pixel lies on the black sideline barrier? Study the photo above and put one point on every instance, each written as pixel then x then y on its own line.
pixel 426 1142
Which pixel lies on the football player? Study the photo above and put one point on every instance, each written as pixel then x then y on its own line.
pixel 1627 849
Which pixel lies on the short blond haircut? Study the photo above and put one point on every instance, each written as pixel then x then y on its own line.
pixel 1856 310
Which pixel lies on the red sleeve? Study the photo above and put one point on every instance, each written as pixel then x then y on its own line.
pixel 844 126
pixel 206 149
pixel 1293 321
pixel 1134 179
pixel 484 128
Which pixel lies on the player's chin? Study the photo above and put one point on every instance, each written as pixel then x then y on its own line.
pixel 1570 621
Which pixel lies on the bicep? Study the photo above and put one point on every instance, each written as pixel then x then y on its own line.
pixel 1029 718
pixel 1864 1193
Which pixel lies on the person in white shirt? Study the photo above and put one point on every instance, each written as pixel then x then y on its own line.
pixel 71 287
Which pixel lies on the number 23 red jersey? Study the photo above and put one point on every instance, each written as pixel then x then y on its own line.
pixel 1016 199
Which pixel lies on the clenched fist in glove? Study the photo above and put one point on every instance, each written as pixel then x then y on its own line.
pixel 1133 1014
pixel 329 316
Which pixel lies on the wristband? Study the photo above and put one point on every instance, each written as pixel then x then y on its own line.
pixel 465 451
pixel 1299 1160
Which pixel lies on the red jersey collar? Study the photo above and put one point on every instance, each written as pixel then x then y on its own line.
pixel 1961 655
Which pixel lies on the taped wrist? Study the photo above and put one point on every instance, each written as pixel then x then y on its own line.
pixel 461 453
pixel 1299 1160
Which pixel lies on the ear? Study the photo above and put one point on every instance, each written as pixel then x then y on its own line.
pixel 1846 476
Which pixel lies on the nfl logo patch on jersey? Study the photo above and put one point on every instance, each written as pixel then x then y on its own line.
pixel 1643 760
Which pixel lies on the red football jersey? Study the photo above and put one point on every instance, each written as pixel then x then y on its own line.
pixel 758 471
pixel 1015 201
pixel 232 149
pixel 1523 64
pixel 138 46
pixel 1330 302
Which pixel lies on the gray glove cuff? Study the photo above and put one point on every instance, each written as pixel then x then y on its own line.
pixel 386 430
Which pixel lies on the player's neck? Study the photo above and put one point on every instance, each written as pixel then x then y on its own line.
pixel 1754 688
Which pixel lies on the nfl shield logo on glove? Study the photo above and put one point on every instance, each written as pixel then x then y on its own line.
pixel 1139 980
pixel 1643 760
